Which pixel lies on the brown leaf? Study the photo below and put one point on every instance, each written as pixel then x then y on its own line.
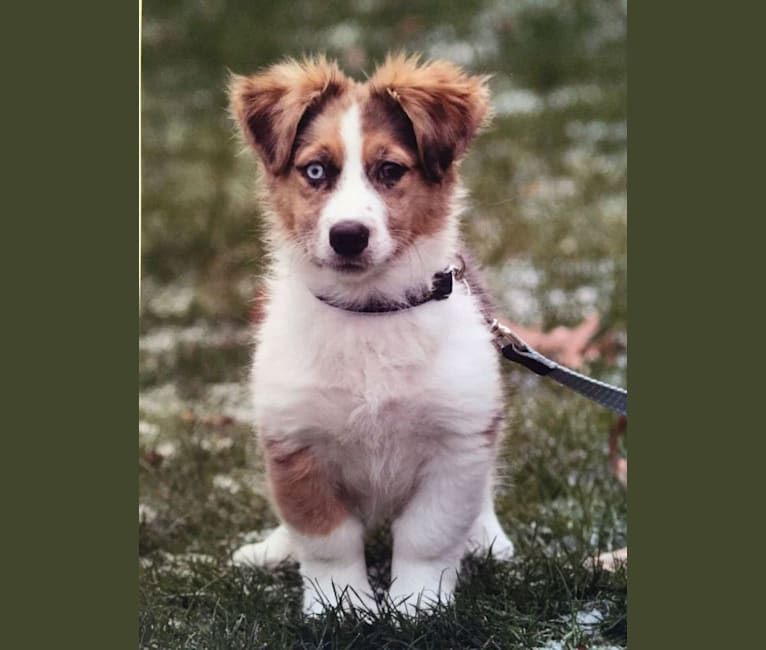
pixel 567 345
pixel 619 465
pixel 153 458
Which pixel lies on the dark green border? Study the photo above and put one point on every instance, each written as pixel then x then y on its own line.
pixel 70 317
pixel 70 274
pixel 695 162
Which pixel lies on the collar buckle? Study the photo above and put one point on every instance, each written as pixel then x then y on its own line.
pixel 442 284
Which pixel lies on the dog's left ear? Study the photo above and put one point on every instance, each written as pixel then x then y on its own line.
pixel 446 107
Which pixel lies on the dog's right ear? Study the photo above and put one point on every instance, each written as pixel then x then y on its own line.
pixel 269 106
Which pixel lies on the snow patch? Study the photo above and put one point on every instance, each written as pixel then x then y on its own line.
pixel 226 483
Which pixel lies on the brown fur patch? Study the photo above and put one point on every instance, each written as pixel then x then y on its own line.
pixel 291 197
pixel 447 107
pixel 493 432
pixel 321 139
pixel 302 491
pixel 270 106
pixel 260 304
pixel 415 205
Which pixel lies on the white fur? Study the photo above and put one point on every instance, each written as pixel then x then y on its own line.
pixel 354 198
pixel 333 568
pixel 395 404
pixel 267 553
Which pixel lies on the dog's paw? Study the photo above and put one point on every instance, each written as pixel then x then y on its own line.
pixel 268 553
pixel 250 555
pixel 500 547
pixel 421 603
pixel 422 587
pixel 488 538
pixel 346 599
pixel 339 585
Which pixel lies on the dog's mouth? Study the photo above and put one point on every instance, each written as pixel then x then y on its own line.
pixel 343 265
pixel 348 267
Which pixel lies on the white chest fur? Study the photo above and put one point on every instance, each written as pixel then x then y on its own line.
pixel 374 394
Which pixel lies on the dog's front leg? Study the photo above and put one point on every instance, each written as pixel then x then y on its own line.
pixel 325 538
pixel 430 535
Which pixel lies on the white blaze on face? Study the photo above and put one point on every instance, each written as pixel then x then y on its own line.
pixel 353 197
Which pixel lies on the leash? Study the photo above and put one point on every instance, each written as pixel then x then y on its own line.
pixel 511 346
pixel 515 349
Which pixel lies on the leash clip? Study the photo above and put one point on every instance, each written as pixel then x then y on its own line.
pixel 504 337
pixel 458 272
pixel 514 349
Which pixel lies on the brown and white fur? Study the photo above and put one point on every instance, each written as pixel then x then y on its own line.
pixel 362 417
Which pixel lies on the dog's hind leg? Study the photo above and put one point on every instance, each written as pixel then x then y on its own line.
pixel 270 552
pixel 487 534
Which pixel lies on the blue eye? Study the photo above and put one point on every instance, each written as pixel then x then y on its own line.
pixel 315 171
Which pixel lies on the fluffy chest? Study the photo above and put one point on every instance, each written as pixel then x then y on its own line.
pixel 353 378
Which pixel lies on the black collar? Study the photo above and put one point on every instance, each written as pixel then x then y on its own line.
pixel 440 289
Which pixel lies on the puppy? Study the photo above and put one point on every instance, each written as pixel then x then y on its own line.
pixel 377 397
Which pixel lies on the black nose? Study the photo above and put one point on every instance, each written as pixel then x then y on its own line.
pixel 349 238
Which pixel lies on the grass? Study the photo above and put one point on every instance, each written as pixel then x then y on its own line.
pixel 558 499
pixel 499 606
pixel 548 218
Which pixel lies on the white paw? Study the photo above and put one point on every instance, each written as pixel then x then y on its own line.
pixel 487 536
pixel 319 596
pixel 422 586
pixel 333 584
pixel 250 555
pixel 500 547
pixel 270 552
pixel 313 606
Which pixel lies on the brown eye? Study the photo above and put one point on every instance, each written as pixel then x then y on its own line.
pixel 390 172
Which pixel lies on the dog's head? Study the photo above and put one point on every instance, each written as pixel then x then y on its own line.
pixel 358 172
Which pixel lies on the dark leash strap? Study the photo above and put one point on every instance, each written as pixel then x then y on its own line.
pixel 514 349
pixel 509 344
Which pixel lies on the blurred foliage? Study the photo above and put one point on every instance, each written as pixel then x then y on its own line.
pixel 548 179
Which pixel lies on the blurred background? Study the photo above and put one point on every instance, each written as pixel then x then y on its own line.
pixel 547 217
